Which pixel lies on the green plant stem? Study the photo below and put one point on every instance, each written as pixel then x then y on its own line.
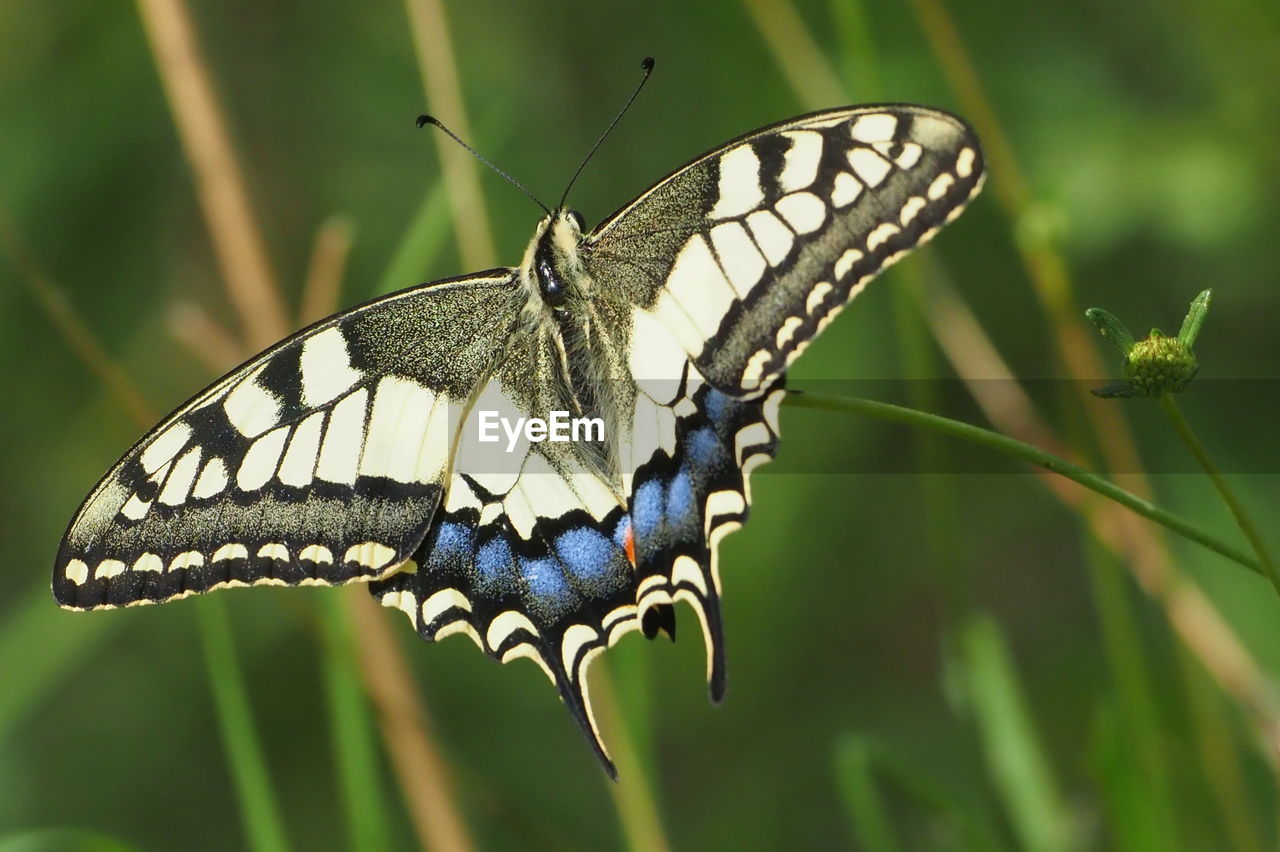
pixel 633 794
pixel 1180 425
pixel 1033 455
pixel 352 728
pixel 864 764
pixel 1012 744
pixel 862 799
pixel 1150 819
pixel 258 806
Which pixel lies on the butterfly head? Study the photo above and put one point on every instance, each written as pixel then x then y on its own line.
pixel 553 262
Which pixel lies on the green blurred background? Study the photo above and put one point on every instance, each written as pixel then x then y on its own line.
pixel 920 655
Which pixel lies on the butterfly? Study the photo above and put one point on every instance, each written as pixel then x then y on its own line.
pixel 427 443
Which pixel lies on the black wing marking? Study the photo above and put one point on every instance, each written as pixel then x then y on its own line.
pixel 747 253
pixel 319 461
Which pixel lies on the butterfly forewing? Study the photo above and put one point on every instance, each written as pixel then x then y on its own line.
pixel 744 255
pixel 320 461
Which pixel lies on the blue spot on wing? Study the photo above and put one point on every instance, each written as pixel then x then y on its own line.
pixel 586 551
pixel 704 447
pixel 714 404
pixel 453 539
pixel 495 566
pixel 545 579
pixel 680 500
pixel 646 507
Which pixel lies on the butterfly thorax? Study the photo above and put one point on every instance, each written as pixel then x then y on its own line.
pixel 552 271
pixel 585 376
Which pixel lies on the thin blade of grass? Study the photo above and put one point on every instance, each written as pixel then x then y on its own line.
pixel 631 668
pixel 857 49
pixel 633 794
pixel 423 776
pixel 800 57
pixel 1011 745
pixel 919 359
pixel 206 339
pixel 868 817
pixel 264 827
pixel 255 293
pixel 71 327
pixel 860 760
pixel 1149 817
pixel 352 727
pixel 243 752
pixel 473 228
pixel 1118 768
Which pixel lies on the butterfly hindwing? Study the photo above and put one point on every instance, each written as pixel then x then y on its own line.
pixel 536 554
pixel 318 462
pixel 748 252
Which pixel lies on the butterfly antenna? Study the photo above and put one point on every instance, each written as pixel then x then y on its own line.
pixel 647 65
pixel 431 119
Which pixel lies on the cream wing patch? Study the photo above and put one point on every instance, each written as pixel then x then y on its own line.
pixel 326 368
pixel 250 407
pixel 740 191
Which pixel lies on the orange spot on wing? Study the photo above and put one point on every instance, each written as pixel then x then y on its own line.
pixel 629 544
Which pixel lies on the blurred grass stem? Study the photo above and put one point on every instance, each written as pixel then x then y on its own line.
pixel 406 730
pixel 258 805
pixel 806 68
pixel 322 288
pixel 220 186
pixel 1015 755
pixel 205 338
pixel 72 328
pixel 351 727
pixel 459 171
pixel 633 793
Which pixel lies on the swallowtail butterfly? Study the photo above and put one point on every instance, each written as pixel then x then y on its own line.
pixel 355 451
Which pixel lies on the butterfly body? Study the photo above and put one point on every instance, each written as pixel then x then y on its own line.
pixel 358 449
pixel 574 321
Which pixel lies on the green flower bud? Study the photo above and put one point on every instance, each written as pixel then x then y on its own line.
pixel 1159 365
